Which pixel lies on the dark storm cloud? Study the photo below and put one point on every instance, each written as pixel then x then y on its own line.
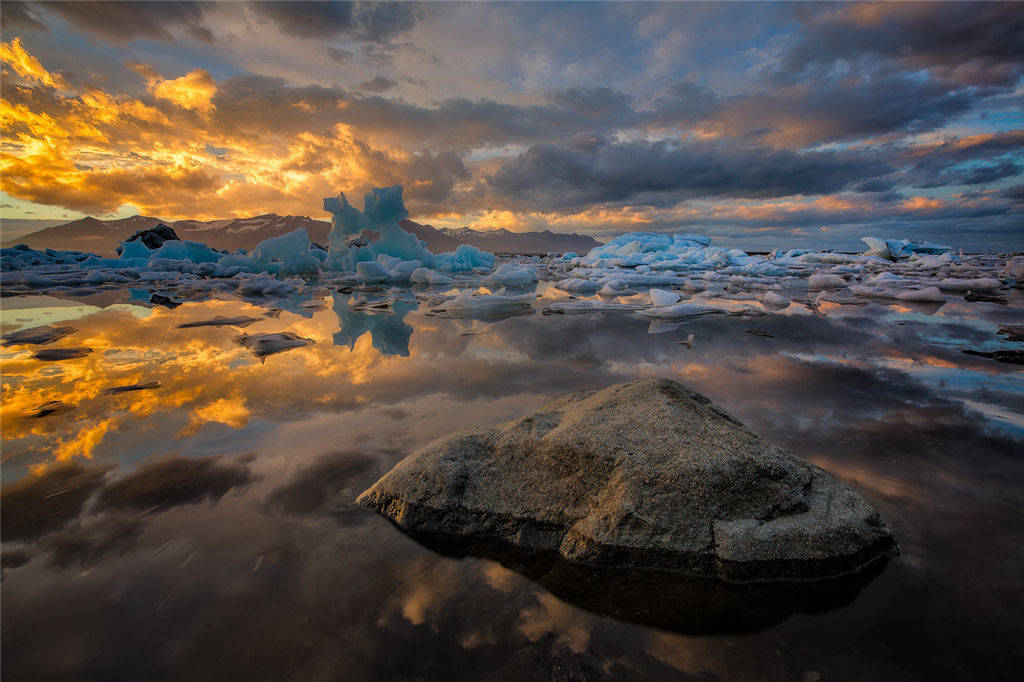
pixel 844 109
pixel 591 101
pixel 965 43
pixel 121 22
pixel 976 160
pixel 174 481
pixel 1016 192
pixel 17 14
pixel 377 84
pixel 363 21
pixel 663 173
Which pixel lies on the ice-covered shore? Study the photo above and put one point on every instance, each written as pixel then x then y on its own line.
pixel 658 274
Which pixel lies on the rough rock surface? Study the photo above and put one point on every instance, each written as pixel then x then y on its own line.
pixel 647 474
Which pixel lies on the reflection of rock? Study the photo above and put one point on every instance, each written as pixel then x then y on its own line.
pixel 263 345
pixel 684 604
pixel 389 333
pixel 647 474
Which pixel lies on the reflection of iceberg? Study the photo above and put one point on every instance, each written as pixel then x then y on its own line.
pixel 388 331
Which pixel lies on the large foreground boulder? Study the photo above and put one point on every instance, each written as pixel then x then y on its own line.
pixel 647 474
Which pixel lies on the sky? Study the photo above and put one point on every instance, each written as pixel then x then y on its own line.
pixel 760 124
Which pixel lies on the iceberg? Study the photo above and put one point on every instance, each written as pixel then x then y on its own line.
pixel 288 254
pixel 465 258
pixel 662 299
pixel 896 249
pixel 383 210
pixel 197 252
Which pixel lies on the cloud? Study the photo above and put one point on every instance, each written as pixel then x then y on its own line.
pixel 960 43
pixel 27 66
pixel 194 90
pixel 377 84
pixel 18 14
pixel 122 22
pixel 659 173
pixel 361 21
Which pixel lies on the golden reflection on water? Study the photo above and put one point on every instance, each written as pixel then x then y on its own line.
pixel 202 371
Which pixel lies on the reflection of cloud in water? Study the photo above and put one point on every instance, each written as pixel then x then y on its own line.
pixel 333 591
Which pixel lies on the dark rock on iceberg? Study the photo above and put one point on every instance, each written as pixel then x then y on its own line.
pixel 153 238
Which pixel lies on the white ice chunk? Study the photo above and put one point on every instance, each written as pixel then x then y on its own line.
pixel 661 298
pixel 774 300
pixel 487 305
pixel 928 294
pixel 883 278
pixel 508 274
pixel 978 283
pixel 680 311
pixel 432 277
pixel 825 281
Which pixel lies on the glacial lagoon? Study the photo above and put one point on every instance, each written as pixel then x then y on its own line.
pixel 179 491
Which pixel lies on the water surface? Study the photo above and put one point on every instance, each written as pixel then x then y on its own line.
pixel 176 507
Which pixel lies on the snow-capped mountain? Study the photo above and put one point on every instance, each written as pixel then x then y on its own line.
pixel 102 236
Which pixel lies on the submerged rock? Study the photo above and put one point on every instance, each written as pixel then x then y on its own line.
pixel 647 474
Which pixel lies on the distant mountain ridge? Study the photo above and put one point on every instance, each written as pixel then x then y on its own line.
pixel 102 236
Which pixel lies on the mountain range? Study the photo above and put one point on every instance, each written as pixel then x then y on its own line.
pixel 101 236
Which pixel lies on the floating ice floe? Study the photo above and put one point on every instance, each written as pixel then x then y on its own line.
pixel 965 284
pixel 826 281
pixel 431 277
pixel 508 274
pixel 662 299
pixel 680 311
pixel 925 295
pixel 499 304
pixel 775 300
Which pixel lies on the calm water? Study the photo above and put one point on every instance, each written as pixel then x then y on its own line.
pixel 204 529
